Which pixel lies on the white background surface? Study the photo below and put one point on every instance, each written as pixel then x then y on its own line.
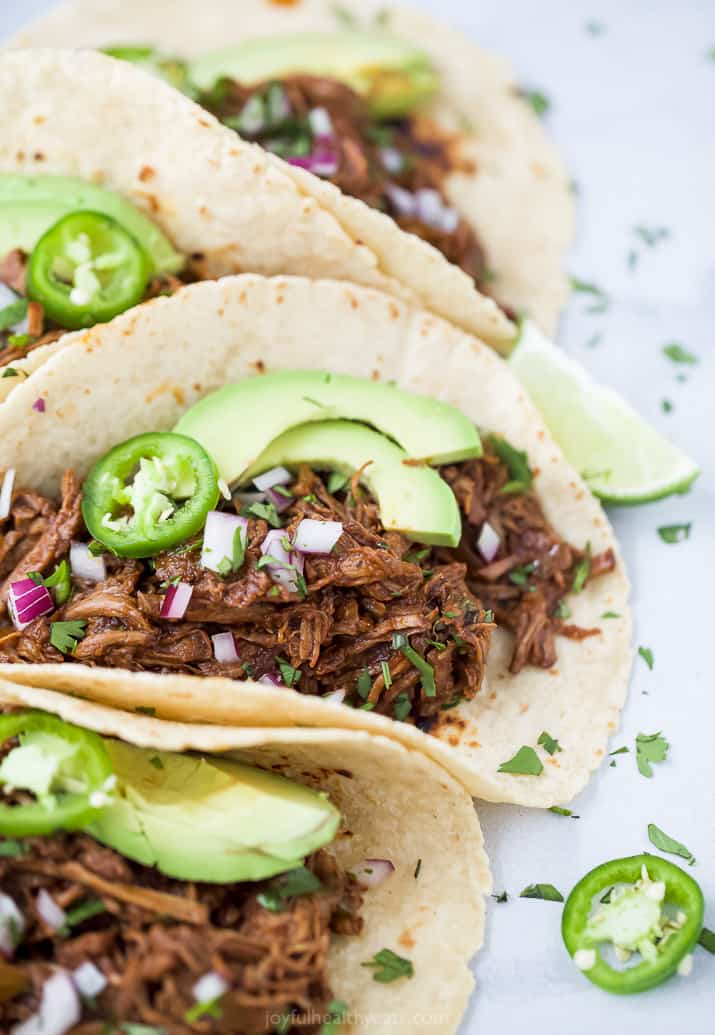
pixel 633 110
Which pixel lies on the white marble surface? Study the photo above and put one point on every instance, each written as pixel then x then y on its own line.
pixel 632 110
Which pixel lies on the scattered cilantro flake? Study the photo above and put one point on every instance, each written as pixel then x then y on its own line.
pixel 666 406
pixel 707 939
pixel 13 313
pixel 501 898
pixel 587 287
pixel 140 1029
pixel 677 353
pixel 538 101
pixel 401 643
pixel 417 556
pixel 84 911
pixel 562 610
pixel 210 1008
pixel 647 654
pixel 525 762
pixel 549 743
pixel 594 340
pixel 266 511
pixel 620 751
pixel 386 674
pixel 516 460
pixel 595 28
pixel 337 1011
pixel 546 892
pixel 300 881
pixel 651 236
pixel 156 762
pixel 559 811
pixel 66 635
pixel 289 675
pixel 283 1025
pixel 364 684
pixel 388 966
pixel 402 707
pixel 675 533
pixel 664 843
pixel 520 575
pixel 10 849
pixel 582 570
pixel 13 372
pixel 336 482
pixel 650 748
pixel 610 614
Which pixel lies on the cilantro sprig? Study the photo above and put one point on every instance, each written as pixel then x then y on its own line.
pixel 388 966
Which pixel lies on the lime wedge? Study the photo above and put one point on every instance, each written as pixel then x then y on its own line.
pixel 619 455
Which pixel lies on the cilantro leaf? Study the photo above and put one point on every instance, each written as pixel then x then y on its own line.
pixel 647 654
pixel 707 939
pixel 520 575
pixel 675 533
pixel 300 881
pixel 337 1011
pixel 364 684
pixel 336 482
pixel 610 614
pixel 650 748
pixel 664 843
pixel 402 707
pixel 66 635
pixel 525 762
pixel 549 743
pixel 10 849
pixel 386 674
pixel 388 966
pixel 520 474
pixel 289 675
pixel 587 287
pixel 401 643
pixel 60 583
pixel 501 898
pixel 13 313
pixel 620 751
pixel 677 353
pixel 265 511
pixel 562 610
pixel 538 101
pixel 559 811
pixel 84 911
pixel 546 892
pixel 582 570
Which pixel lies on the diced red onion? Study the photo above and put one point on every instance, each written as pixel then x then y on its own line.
pixel 321 162
pixel 7 297
pixel 336 696
pixel 276 476
pixel 209 987
pixel 12 925
pixel 218 538
pixel 488 542
pixel 252 115
pixel 85 565
pixel 432 211
pixel 286 564
pixel 250 497
pixel 90 980
pixel 372 872
pixel 39 405
pixel 224 648
pixel 60 1008
pixel 392 159
pixel 52 914
pixel 321 124
pixel 271 679
pixel 176 601
pixel 279 501
pixel 8 484
pixel 403 200
pixel 27 601
pixel 313 536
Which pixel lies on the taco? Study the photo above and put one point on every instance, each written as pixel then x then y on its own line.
pixel 206 879
pixel 341 547
pixel 389 105
pixel 115 188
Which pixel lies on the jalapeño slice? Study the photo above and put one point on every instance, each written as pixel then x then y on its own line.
pixel 86 269
pixel 150 493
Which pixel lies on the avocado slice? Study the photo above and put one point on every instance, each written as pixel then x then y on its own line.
pixel 236 423
pixel 209 819
pixel 412 499
pixel 30 205
pixel 390 73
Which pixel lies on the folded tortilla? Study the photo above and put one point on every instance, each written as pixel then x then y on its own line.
pixel 519 198
pixel 143 370
pixel 443 907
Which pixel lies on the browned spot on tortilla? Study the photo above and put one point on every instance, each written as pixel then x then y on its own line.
pixel 178 392
pixel 453 740
pixel 540 434
pixel 162 389
pixel 600 752
pixel 492 696
pixel 474 744
pixel 233 151
pixel 394 311
pixel 20 156
pixel 538 170
pixel 204 122
pixel 146 173
pixel 554 672
pixel 151 199
pixel 196 386
pixel 280 299
pixel 523 708
pixel 284 3
pixel 406 939
pixel 344 772
pixel 260 366
pixel 375 375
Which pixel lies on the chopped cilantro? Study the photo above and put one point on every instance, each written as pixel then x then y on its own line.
pixel 417 556
pixel 12 372
pixel 141 1029
pixel 13 313
pixel 594 340
pixel 520 474
pixel 620 751
pixel 402 707
pixel 91 907
pixel 647 654
pixel 664 843
pixel 581 571
pixel 538 101
pixel 283 1025
pixel 10 849
pixel 546 892
pixel 586 287
pixel 66 635
pixel 388 966
pixel 707 939
pixel 549 743
pixel 336 482
pixel 210 1008
pixel 289 675
pixel 559 811
pixel 675 533
pixel 650 748
pixel 300 881
pixel 666 405
pixel 386 674
pixel 248 669
pixel 525 762
pixel 401 643
pixel 265 511
pixel 562 610
pixel 337 1012
pixel 595 28
pixel 520 575
pixel 610 614
pixel 343 15
pixel 364 684
pixel 502 897
pixel 156 762
pixel 677 353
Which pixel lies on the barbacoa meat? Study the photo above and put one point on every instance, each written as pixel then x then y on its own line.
pixel 376 160
pixel 354 623
pixel 153 938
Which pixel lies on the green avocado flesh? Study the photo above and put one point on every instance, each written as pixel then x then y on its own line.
pixel 30 205
pixel 389 72
pixel 412 499
pixel 209 819
pixel 236 423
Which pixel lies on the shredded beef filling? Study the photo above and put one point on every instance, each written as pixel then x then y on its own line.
pixel 376 161
pixel 355 622
pixel 153 938
pixel 40 331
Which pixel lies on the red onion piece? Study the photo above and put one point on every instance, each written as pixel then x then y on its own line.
pixel 392 159
pixel 25 607
pixel 432 211
pixel 336 696
pixel 39 405
pixel 371 872
pixel 12 925
pixel 60 1008
pixel 276 476
pixel 313 536
pixel 8 484
pixel 90 980
pixel 285 564
pixel 50 913
pixel 85 565
pixel 224 648
pixel 322 162
pixel 209 987
pixel 218 538
pixel 488 542
pixel 404 201
pixel 271 679
pixel 321 125
pixel 250 497
pixel 176 601
pixel 279 501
